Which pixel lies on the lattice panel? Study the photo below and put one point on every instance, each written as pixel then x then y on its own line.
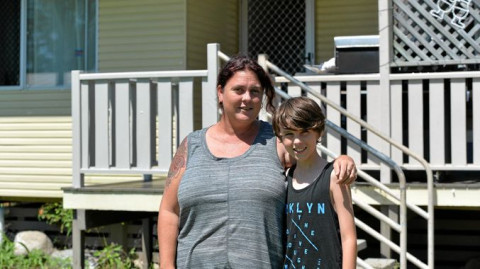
pixel 436 32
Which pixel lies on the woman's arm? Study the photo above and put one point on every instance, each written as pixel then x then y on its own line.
pixel 168 214
pixel 345 170
pixel 342 202
pixel 285 158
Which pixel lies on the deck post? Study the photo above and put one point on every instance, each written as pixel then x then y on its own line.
pixel 2 220
pixel 147 243
pixel 209 87
pixel 385 55
pixel 78 239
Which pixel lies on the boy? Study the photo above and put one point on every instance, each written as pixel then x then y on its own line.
pixel 320 221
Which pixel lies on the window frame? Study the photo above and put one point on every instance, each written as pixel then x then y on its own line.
pixel 23 50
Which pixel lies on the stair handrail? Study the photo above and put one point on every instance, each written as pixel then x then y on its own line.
pixel 428 170
pixel 374 212
pixel 366 176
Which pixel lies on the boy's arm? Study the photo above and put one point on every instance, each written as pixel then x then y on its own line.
pixel 168 214
pixel 342 202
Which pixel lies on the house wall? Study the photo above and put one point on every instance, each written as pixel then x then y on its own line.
pixel 35 125
pixel 35 143
pixel 209 21
pixel 141 35
pixel 342 18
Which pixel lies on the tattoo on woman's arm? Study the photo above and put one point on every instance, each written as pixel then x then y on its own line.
pixel 178 162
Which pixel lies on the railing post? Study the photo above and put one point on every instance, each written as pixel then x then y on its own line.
pixel 262 61
pixel 385 55
pixel 209 87
pixel 77 177
pixel 384 26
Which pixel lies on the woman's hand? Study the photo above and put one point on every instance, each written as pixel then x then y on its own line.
pixel 345 169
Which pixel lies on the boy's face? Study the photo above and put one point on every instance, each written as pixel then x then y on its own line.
pixel 300 143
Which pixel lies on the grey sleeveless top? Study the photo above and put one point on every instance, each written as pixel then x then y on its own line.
pixel 232 209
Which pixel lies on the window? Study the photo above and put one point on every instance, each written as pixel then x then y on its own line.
pixel 43 40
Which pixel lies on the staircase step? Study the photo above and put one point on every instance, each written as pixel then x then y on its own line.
pixel 381 263
pixel 361 244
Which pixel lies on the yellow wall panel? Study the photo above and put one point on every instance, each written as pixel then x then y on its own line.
pixel 34 103
pixel 342 18
pixel 36 157
pixel 209 21
pixel 35 151
pixel 141 35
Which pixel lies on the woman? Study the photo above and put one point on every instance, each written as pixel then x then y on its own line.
pixel 224 199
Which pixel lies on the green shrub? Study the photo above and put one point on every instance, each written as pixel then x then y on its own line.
pixel 113 256
pixel 35 259
pixel 7 258
pixel 54 213
pixel 110 256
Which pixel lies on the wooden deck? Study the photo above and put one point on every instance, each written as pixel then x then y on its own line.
pixel 453 194
pixel 146 195
pixel 127 196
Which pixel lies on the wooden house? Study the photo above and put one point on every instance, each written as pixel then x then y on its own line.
pixel 101 138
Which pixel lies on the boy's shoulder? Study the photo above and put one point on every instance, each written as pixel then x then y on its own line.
pixel 289 171
pixel 328 168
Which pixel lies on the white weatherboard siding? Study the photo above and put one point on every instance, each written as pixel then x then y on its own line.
pixel 35 143
pixel 35 157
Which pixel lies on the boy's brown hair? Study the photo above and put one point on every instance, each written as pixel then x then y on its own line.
pixel 300 113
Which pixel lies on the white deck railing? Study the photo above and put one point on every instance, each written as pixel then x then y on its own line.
pixel 436 115
pixel 131 122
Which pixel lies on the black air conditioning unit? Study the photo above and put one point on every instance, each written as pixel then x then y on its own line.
pixel 356 54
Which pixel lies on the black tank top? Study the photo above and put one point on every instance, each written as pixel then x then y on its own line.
pixel 313 233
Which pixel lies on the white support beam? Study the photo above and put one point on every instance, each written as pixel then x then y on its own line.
pixel 209 87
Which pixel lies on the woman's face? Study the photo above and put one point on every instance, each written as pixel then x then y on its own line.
pixel 241 96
